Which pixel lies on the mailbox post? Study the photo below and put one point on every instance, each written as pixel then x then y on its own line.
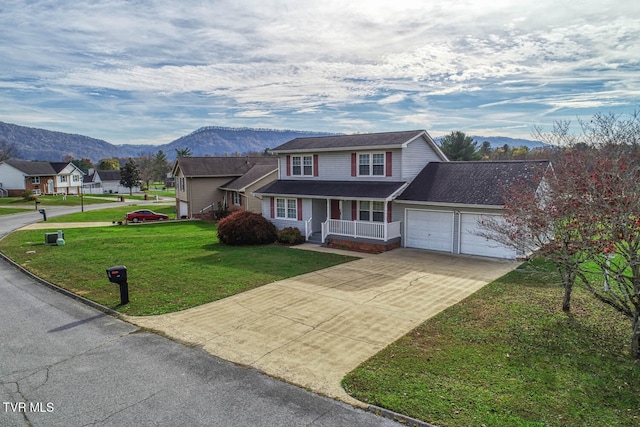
pixel 118 275
pixel 44 214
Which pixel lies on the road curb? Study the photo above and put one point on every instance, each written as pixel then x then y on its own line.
pixel 403 419
pixel 63 291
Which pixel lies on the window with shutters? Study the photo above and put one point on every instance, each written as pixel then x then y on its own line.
pixel 302 165
pixel 371 164
pixel 371 211
pixel 286 208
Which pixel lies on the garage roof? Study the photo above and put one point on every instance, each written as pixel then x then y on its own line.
pixel 471 183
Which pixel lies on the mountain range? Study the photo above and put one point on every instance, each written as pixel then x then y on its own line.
pixel 41 144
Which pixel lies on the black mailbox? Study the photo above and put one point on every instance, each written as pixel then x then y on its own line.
pixel 117 274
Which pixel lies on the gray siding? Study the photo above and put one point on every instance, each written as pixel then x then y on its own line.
pixel 283 223
pixel 415 157
pixel 336 166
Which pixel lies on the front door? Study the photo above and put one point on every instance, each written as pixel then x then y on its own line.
pixel 335 209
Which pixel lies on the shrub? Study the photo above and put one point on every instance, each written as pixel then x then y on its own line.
pixel 246 228
pixel 290 235
pixel 28 196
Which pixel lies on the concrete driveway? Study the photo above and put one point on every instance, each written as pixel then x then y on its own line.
pixel 311 330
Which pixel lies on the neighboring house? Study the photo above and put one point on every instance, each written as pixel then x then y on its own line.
pixel 18 176
pixel 105 181
pixel 203 184
pixel 375 192
pixel 340 189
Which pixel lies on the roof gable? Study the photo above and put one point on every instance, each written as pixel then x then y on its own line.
pixel 357 141
pixel 253 175
pixel 471 183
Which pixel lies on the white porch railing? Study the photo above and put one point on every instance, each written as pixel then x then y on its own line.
pixel 364 229
pixel 308 230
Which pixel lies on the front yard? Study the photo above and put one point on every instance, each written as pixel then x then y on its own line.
pixel 171 266
pixel 509 356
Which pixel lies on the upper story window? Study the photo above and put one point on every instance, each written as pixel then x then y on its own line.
pixel 371 164
pixel 302 165
pixel 35 180
pixel 63 178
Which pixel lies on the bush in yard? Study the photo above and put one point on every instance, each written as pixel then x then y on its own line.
pixel 290 235
pixel 28 196
pixel 246 228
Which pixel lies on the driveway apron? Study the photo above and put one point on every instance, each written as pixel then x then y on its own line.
pixel 311 330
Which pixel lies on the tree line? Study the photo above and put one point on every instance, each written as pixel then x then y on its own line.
pixel 457 146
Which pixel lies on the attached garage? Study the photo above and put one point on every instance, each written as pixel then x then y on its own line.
pixel 472 244
pixel 429 230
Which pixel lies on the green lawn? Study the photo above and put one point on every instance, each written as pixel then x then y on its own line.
pixel 509 356
pixel 112 214
pixel 171 265
pixel 9 211
pixel 54 201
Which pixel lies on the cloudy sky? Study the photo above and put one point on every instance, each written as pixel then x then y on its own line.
pixel 143 71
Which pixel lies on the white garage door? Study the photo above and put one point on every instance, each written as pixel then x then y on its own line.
pixel 472 244
pixel 183 210
pixel 430 230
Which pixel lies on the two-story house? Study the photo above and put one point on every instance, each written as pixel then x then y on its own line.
pixel 340 189
pixel 375 192
pixel 17 176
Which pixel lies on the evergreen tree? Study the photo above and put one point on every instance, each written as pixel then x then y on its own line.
pixel 130 175
pixel 458 146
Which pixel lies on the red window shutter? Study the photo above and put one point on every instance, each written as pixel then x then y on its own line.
pixel 315 165
pixel 299 209
pixel 388 163
pixel 273 207
pixel 354 164
pixel 288 165
pixel 389 215
pixel 354 210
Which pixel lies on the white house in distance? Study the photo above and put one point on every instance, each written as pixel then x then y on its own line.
pixel 48 178
pixel 105 182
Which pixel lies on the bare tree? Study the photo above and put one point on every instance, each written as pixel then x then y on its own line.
pixel 7 150
pixel 587 219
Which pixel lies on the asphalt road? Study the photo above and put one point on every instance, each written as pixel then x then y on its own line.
pixel 63 363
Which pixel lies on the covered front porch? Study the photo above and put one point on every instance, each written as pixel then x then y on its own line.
pixel 344 214
pixel 367 220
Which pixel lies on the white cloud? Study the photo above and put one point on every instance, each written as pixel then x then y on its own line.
pixel 142 66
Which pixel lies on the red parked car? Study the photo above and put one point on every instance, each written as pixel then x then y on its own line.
pixel 145 215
